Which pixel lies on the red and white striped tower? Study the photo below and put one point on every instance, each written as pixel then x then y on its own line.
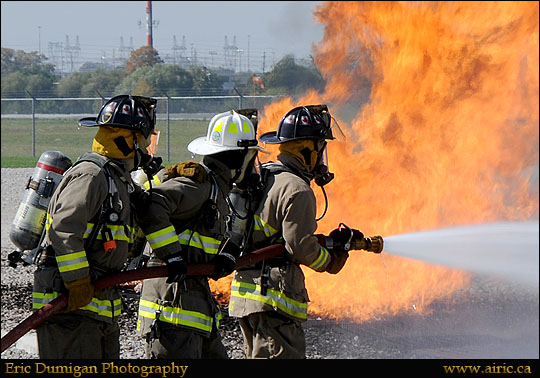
pixel 149 41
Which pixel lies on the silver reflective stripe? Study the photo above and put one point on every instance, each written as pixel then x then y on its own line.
pixel 72 261
pixel 261 225
pixel 273 298
pixel 175 315
pixel 162 237
pixel 41 299
pixel 323 257
pixel 101 307
pixel 194 239
pixel 118 232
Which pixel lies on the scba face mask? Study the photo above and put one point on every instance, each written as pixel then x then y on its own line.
pixel 148 163
pixel 321 172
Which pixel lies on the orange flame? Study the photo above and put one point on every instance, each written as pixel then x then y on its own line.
pixel 439 105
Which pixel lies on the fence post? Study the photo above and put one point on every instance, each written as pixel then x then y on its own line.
pixel 168 131
pixel 239 98
pixel 102 98
pixel 33 124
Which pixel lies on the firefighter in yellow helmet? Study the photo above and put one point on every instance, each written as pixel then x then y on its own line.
pixel 270 298
pixel 185 224
pixel 89 230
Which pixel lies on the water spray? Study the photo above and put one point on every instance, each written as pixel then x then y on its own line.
pixel 505 249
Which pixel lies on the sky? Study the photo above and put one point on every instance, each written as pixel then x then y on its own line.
pixel 264 31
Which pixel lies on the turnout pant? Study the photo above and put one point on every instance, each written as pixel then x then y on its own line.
pixel 178 342
pixel 77 336
pixel 271 335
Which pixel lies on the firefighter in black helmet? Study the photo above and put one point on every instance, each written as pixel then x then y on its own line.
pixel 270 298
pixel 90 229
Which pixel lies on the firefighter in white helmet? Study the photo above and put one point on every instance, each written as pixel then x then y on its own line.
pixel 185 223
pixel 270 298
pixel 89 231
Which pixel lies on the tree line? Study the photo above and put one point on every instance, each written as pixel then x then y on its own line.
pixel 28 74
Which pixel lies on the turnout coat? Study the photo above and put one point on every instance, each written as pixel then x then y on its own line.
pixel 71 219
pixel 286 214
pixel 186 216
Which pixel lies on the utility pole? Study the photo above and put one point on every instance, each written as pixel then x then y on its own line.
pixel 149 39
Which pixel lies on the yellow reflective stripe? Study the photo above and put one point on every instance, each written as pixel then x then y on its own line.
pixel 218 126
pixel 261 225
pixel 72 261
pixel 194 239
pixel 39 300
pixel 89 228
pixel 273 298
pixel 48 222
pixel 175 315
pixel 162 237
pixel 246 129
pixel 102 307
pixel 155 180
pixel 323 257
pixel 232 128
pixel 118 232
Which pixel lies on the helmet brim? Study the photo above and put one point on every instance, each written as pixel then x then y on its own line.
pixel 88 122
pixel 199 146
pixel 270 138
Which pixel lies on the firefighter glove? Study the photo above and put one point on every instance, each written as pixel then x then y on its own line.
pixel 190 169
pixel 339 258
pixel 225 262
pixel 80 293
pixel 177 268
pixel 341 236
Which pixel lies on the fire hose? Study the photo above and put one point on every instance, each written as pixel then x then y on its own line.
pixel 372 244
pixel 60 303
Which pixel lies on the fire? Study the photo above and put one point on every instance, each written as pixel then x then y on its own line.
pixel 439 105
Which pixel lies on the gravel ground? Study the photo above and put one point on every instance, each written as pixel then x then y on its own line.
pixel 488 320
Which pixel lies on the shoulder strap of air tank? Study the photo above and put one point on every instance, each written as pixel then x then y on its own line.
pixel 103 163
pixel 274 168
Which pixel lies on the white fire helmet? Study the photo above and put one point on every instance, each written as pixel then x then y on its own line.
pixel 227 131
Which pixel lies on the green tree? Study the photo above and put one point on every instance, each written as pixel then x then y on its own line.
pixel 142 57
pixel 205 82
pixel 19 60
pixel 290 77
pixel 158 80
pixel 26 72
pixel 70 86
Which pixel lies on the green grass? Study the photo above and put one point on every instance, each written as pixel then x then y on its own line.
pixel 63 135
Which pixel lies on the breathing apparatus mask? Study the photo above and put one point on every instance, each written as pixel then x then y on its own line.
pixel 321 172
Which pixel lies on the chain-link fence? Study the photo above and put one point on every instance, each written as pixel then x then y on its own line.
pixel 31 126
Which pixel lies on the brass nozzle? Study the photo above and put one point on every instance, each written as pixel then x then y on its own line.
pixel 376 244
